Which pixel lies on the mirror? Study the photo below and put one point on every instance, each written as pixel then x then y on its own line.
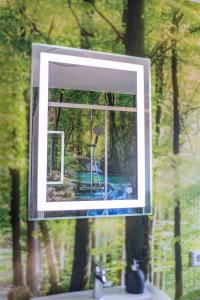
pixel 90 134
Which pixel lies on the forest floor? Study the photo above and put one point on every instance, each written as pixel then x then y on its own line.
pixel 5 271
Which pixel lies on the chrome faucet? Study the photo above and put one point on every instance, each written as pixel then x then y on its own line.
pixel 99 282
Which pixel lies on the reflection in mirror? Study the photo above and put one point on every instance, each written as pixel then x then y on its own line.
pixel 122 155
pixel 55 157
pixel 83 154
pixel 100 148
pixel 91 97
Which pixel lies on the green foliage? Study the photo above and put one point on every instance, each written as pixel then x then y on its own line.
pixel 182 181
pixel 194 295
pixel 24 22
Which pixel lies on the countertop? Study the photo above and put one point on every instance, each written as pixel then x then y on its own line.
pixel 113 293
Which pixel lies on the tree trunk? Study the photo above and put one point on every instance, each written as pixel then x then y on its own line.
pixel 178 251
pixel 79 277
pixel 137 243
pixel 176 117
pixel 176 150
pixel 57 112
pixel 50 255
pixel 32 263
pixel 153 245
pixel 33 268
pixel 114 157
pixel 159 72
pixel 92 257
pixel 134 32
pixel 80 262
pixel 15 224
pixel 87 31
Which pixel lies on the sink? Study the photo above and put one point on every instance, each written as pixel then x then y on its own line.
pixel 115 293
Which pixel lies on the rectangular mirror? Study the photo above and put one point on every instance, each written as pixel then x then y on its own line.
pixel 90 145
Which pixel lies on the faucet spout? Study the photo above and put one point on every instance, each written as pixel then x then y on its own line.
pixel 99 282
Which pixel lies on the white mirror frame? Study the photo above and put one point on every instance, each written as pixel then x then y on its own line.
pixel 42 204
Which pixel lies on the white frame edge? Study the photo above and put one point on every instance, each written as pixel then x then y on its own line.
pixel 42 204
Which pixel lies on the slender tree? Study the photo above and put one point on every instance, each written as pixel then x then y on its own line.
pixel 15 225
pixel 18 38
pixel 134 27
pixel 33 250
pixel 15 170
pixel 27 26
pixel 136 227
pixel 81 249
pixel 159 86
pixel 176 18
pixel 33 247
pixel 51 258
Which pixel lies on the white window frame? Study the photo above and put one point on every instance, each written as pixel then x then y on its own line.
pixel 42 204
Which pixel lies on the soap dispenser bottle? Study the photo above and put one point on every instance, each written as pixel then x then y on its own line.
pixel 135 279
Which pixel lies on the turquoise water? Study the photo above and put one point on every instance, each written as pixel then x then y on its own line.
pixel 117 186
pixel 85 178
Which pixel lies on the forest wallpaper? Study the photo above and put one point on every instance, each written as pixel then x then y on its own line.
pixel 55 256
